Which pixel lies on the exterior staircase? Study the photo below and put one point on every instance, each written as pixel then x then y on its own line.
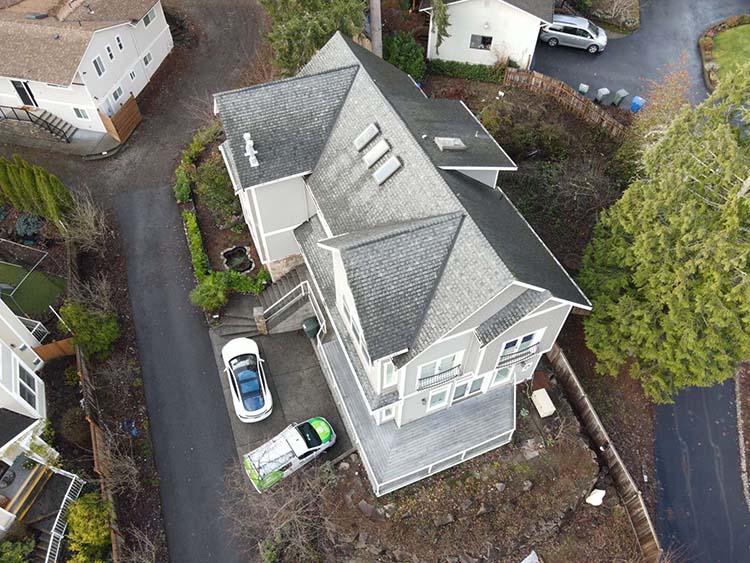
pixel 29 491
pixel 280 288
pixel 55 125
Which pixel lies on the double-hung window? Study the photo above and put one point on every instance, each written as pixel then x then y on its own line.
pixel 81 113
pixel 27 386
pixel 147 58
pixel 118 40
pixel 110 53
pixel 117 94
pixel 99 66
pixel 389 374
pixel 149 17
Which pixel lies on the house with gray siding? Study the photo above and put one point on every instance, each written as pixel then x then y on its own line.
pixel 434 295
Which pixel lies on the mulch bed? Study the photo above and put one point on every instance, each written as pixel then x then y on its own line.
pixel 128 408
pixel 743 397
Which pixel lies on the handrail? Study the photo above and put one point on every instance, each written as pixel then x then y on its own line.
pixel 36 328
pixel 277 304
pixel 439 378
pixel 19 114
pixel 57 533
pixel 517 357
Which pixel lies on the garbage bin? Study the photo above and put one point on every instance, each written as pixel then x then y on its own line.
pixel 311 327
pixel 636 104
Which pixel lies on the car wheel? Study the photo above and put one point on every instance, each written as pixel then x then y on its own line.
pixel 552 42
pixel 593 49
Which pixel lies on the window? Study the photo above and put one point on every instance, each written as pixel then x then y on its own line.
pixel 99 66
pixel 147 59
pixel 117 94
pixel 110 53
pixel 81 113
pixel 345 309
pixel 26 386
pixel 501 376
pixel 389 374
pixel 148 18
pixel 438 366
pixel 132 75
pixel 119 42
pixel 510 347
pixel 467 388
pixel 480 42
pixel 437 399
pixel 570 30
pixel 476 385
pixel 389 413
pixel 526 342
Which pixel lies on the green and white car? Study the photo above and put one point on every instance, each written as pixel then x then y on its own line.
pixel 297 445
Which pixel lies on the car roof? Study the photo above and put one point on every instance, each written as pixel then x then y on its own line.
pixel 573 20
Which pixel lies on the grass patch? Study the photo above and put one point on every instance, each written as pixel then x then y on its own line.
pixel 38 292
pixel 731 48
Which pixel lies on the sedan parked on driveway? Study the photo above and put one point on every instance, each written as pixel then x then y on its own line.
pixel 247 380
pixel 573 31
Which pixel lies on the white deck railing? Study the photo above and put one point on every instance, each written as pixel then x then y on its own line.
pixel 61 520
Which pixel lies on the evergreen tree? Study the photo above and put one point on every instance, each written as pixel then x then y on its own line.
pixel 668 268
pixel 300 27
pixel 440 22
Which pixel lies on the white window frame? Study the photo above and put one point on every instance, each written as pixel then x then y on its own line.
pixel 81 114
pixel 101 64
pixel 115 96
pixel 446 400
pixel 468 382
pixel 132 74
pixel 390 376
pixel 388 413
pixel 147 58
pixel 149 17
pixel 494 382
pixel 118 40
pixel 24 385
pixel 458 358
pixel 481 37
pixel 110 52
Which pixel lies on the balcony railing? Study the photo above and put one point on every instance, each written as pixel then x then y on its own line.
pixel 518 357
pixel 439 378
pixel 36 328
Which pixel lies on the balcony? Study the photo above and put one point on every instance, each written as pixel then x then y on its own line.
pixel 440 378
pixel 518 357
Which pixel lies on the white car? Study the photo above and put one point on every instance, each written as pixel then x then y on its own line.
pixel 247 380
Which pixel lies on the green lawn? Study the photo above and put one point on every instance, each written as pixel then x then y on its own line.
pixel 35 295
pixel 732 47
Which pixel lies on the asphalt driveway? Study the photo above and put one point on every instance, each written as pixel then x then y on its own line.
pixel 669 28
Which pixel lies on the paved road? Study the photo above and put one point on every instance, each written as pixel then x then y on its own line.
pixel 701 507
pixel 669 28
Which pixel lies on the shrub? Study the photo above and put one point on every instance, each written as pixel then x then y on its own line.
pixel 16 551
pixel 28 227
pixel 73 426
pixel 245 284
pixel 85 226
pixel 402 51
pixel 583 6
pixel 211 293
pixel 213 186
pixel 195 243
pixel 185 175
pixel 88 529
pixel 94 331
pixel 468 71
pixel 202 138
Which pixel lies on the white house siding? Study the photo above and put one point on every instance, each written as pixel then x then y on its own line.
pixel 59 101
pixel 10 397
pixel 514 33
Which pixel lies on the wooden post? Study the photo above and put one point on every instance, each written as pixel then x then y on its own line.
pixel 376 28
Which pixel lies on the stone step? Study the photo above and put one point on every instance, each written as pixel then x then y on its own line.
pixel 235 331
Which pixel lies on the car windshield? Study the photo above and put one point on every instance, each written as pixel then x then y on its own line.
pixel 245 369
pixel 593 29
pixel 309 434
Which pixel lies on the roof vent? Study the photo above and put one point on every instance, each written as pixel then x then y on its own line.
pixel 376 152
pixel 387 170
pixel 450 144
pixel 35 16
pixel 250 151
pixel 366 136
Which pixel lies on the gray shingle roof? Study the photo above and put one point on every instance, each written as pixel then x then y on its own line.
pixel 510 314
pixel 12 424
pixel 288 120
pixel 392 271
pixel 543 9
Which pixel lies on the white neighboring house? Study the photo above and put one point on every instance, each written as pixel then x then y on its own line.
pixel 435 297
pixel 67 61
pixel 29 484
pixel 488 31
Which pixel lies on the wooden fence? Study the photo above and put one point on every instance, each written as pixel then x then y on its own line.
pixel 56 349
pixel 567 96
pixel 123 123
pixel 626 487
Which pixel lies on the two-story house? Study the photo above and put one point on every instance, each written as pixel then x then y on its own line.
pixel 32 490
pixel 70 65
pixel 435 296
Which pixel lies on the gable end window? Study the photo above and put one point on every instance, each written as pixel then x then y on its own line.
pixel 147 58
pixel 110 52
pixel 149 17
pixel 99 66
pixel 118 40
pixel 483 42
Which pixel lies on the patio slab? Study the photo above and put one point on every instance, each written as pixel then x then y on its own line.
pixel 298 388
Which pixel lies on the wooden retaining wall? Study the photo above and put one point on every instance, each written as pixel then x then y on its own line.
pixel 626 487
pixel 567 96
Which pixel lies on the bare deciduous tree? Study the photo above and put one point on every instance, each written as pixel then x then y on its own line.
pixel 141 548
pixel 85 225
pixel 288 519
pixel 122 476
pixel 95 293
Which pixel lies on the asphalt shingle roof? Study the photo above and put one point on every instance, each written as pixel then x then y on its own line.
pixel 510 314
pixel 288 121
pixel 392 272
pixel 12 424
pixel 543 9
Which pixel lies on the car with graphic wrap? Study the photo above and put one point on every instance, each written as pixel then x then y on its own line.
pixel 295 446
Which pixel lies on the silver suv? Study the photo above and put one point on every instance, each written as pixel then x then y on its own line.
pixel 573 31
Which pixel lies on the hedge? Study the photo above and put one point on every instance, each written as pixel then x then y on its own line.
pixel 198 255
pixel 468 71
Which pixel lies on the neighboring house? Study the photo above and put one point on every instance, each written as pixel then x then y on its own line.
pixel 434 295
pixel 32 491
pixel 488 31
pixel 71 62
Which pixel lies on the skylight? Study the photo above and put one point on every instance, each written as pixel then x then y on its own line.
pixel 376 152
pixel 450 144
pixel 366 136
pixel 387 170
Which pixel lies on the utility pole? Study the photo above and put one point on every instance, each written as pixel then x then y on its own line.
pixel 376 28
